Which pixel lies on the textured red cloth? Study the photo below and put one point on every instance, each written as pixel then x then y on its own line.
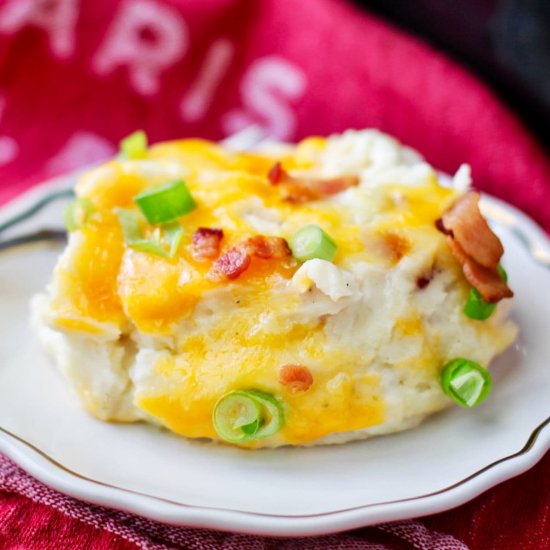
pixel 77 75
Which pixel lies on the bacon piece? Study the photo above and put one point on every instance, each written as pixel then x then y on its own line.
pixel 267 247
pixel 441 228
pixel 277 174
pixel 297 378
pixel 237 259
pixel 300 190
pixel 475 247
pixel 206 243
pixel 472 232
pixel 458 252
pixel 488 282
pixel 230 264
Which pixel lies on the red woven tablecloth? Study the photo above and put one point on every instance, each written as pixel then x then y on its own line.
pixel 77 75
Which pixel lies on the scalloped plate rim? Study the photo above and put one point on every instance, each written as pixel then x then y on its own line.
pixel 70 483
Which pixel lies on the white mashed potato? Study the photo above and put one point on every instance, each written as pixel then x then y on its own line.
pixel 143 337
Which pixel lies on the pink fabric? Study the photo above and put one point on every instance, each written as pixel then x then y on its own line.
pixel 78 75
pixel 513 516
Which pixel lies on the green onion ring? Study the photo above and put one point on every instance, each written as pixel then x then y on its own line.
pixel 476 307
pixel 466 382
pixel 311 242
pixel 273 418
pixel 247 415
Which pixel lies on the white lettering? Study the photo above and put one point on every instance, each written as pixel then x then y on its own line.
pixel 81 149
pixel 9 149
pixel 56 17
pixel 147 37
pixel 268 87
pixel 201 92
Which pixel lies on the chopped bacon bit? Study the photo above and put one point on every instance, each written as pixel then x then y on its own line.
pixel 237 259
pixel 300 190
pixel 276 174
pixel 297 194
pixel 267 247
pixel 229 265
pixel 206 243
pixel 472 232
pixel 297 378
pixel 334 186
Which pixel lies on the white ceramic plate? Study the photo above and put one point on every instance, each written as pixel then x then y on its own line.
pixel 451 458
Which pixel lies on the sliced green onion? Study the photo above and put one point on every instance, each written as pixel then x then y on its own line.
pixel 466 382
pixel 252 428
pixel 171 233
pixel 134 146
pixel 77 213
pixel 312 242
pixel 242 416
pixel 165 203
pixel 130 225
pixel 237 417
pixel 476 307
pixel 273 415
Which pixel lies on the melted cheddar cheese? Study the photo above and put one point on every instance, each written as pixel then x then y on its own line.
pixel 217 336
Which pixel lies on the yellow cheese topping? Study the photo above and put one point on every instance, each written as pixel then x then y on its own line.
pixel 101 284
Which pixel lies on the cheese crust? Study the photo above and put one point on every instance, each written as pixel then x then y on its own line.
pixel 143 337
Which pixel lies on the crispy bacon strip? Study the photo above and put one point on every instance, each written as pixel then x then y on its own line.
pixel 206 243
pixel 297 378
pixel 472 232
pixel 237 259
pixel 475 247
pixel 488 282
pixel 300 190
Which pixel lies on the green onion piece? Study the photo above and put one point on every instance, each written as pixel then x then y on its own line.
pixel 171 233
pixel 466 382
pixel 237 417
pixel 243 416
pixel 312 242
pixel 77 213
pixel 134 146
pixel 130 226
pixel 253 427
pixel 476 307
pixel 165 203
pixel 273 416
